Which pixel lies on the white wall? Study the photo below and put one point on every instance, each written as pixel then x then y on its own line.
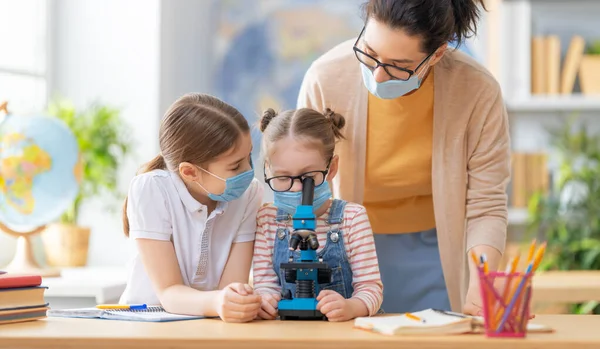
pixel 108 51
pixel 186 42
pixel 139 55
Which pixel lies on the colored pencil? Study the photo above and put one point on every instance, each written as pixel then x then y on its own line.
pixel 533 264
pixel 510 269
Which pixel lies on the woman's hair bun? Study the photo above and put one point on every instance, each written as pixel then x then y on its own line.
pixel 337 122
pixel 268 115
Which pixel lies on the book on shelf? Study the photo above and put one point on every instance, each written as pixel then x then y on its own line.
pixel 550 76
pixel 571 64
pixel 545 65
pixel 529 175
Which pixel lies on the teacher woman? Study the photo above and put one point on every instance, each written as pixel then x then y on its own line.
pixel 427 148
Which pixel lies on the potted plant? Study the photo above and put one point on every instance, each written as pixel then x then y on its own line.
pixel 567 217
pixel 589 72
pixel 104 142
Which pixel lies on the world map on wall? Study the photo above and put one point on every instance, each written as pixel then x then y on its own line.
pixel 264 47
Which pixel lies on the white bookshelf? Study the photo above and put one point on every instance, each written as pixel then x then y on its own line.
pixel 505 40
pixel 560 103
pixel 517 216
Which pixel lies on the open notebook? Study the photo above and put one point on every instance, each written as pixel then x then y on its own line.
pixel 151 314
pixel 435 323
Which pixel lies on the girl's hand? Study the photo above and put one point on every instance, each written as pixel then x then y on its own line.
pixel 334 306
pixel 238 303
pixel 268 307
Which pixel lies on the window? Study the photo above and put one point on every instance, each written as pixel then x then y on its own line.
pixel 24 54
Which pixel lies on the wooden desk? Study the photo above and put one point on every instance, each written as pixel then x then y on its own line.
pixel 577 331
pixel 566 286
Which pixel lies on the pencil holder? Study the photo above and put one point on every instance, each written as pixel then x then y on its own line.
pixel 506 298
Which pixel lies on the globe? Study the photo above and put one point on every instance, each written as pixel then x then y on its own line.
pixel 40 170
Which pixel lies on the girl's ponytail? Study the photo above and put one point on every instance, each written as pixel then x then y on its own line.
pixel 268 115
pixel 337 122
pixel 158 163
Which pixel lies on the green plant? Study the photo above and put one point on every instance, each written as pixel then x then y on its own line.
pixel 568 216
pixel 104 142
pixel 594 48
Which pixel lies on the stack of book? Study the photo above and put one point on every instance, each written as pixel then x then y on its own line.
pixel 21 298
pixel 530 175
pixel 550 76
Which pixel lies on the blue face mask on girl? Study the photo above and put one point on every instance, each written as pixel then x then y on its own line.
pixel 288 201
pixel 235 186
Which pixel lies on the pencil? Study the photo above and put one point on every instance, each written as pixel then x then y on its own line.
pixel 531 251
pixel 414 317
pixel 523 299
pixel 534 260
pixel 475 259
pixel 486 267
pixel 538 256
pixel 514 298
pixel 512 268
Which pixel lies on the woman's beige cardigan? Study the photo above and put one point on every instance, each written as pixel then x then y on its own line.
pixel 471 151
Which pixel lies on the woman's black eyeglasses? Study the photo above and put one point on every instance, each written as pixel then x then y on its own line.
pixel 285 183
pixel 393 71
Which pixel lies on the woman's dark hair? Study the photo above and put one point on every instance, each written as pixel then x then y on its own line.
pixel 436 21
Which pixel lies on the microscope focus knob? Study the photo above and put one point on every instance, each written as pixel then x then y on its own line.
pixel 286 294
pixel 324 276
pixel 290 275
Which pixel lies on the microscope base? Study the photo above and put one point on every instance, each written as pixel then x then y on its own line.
pixel 301 315
pixel 299 309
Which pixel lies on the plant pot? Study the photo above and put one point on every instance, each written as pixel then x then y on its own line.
pixel 66 245
pixel 589 74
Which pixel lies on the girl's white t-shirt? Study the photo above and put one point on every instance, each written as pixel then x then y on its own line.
pixel 160 207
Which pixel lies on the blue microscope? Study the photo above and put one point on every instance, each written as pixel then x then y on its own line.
pixel 306 271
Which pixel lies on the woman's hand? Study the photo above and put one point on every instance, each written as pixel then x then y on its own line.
pixel 473 304
pixel 238 303
pixel 268 307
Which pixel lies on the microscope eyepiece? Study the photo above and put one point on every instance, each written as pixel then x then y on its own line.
pixel 308 191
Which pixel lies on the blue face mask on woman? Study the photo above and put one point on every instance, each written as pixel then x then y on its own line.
pixel 235 186
pixel 389 89
pixel 288 201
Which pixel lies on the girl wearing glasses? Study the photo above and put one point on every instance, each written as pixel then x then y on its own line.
pixel 299 144
pixel 426 151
